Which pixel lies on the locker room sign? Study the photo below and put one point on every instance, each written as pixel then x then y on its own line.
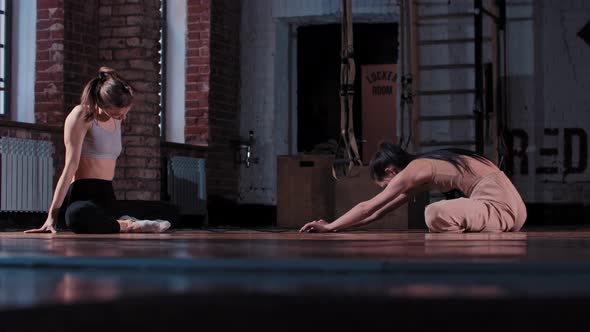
pixel 379 92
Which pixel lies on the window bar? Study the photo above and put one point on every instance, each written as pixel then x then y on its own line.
pixel 6 61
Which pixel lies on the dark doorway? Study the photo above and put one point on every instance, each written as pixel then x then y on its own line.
pixel 318 71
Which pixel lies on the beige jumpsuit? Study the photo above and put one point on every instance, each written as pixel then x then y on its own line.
pixel 492 205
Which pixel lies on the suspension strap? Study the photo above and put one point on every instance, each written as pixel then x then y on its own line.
pixel 347 77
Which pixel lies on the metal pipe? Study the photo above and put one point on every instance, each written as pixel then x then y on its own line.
pixel 478 104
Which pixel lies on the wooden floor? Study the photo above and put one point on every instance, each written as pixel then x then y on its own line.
pixel 384 246
pixel 247 270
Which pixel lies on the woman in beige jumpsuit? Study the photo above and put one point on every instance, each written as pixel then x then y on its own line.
pixel 491 203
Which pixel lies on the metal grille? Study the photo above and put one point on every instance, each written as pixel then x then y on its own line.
pixel 26 175
pixel 187 184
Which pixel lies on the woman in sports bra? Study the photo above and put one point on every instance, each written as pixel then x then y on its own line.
pixel 84 198
pixel 491 203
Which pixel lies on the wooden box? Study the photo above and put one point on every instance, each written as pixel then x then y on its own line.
pixel 305 189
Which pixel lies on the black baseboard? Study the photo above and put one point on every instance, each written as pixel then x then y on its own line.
pixel 227 213
pixel 21 220
pixel 558 214
pixel 189 221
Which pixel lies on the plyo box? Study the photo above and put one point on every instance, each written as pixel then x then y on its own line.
pixel 304 190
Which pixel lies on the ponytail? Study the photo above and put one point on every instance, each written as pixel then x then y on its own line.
pixel 105 91
pixel 390 154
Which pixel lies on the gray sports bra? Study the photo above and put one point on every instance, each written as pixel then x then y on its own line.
pixel 100 143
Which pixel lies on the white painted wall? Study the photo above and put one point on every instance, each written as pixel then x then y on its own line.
pixel 549 84
pixel 176 32
pixel 258 182
pixel 522 61
pixel 268 65
pixel 24 35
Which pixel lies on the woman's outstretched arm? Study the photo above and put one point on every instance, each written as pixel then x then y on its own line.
pixel 322 225
pixel 75 129
pixel 414 176
pixel 389 207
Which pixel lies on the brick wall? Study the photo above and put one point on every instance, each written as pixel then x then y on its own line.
pixel 49 85
pixel 66 59
pixel 197 72
pixel 80 48
pixel 129 43
pixel 224 98
pixel 75 38
pixel 212 89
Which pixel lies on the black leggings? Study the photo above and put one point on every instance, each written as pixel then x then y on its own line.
pixel 90 207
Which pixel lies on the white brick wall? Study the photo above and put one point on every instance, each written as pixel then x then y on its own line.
pixel 264 85
pixel 258 182
pixel 550 84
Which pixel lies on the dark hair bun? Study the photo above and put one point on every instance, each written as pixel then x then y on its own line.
pixel 106 72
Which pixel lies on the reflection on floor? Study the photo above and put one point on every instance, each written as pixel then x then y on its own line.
pixel 381 279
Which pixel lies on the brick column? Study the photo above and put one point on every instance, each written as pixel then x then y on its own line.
pixel 212 89
pixel 197 72
pixel 66 58
pixel 49 85
pixel 80 48
pixel 224 99
pixel 129 43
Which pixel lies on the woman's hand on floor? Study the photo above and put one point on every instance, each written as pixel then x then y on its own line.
pixel 46 228
pixel 316 226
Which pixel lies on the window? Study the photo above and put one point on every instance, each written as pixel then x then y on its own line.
pixel 4 57
pixel 174 29
pixel 162 82
pixel 18 33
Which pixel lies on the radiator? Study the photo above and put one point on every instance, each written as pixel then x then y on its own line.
pixel 187 184
pixel 26 175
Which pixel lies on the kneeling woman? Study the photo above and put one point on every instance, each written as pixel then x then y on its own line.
pixel 84 198
pixel 491 202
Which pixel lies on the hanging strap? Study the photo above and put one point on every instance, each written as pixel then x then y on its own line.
pixel 347 77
